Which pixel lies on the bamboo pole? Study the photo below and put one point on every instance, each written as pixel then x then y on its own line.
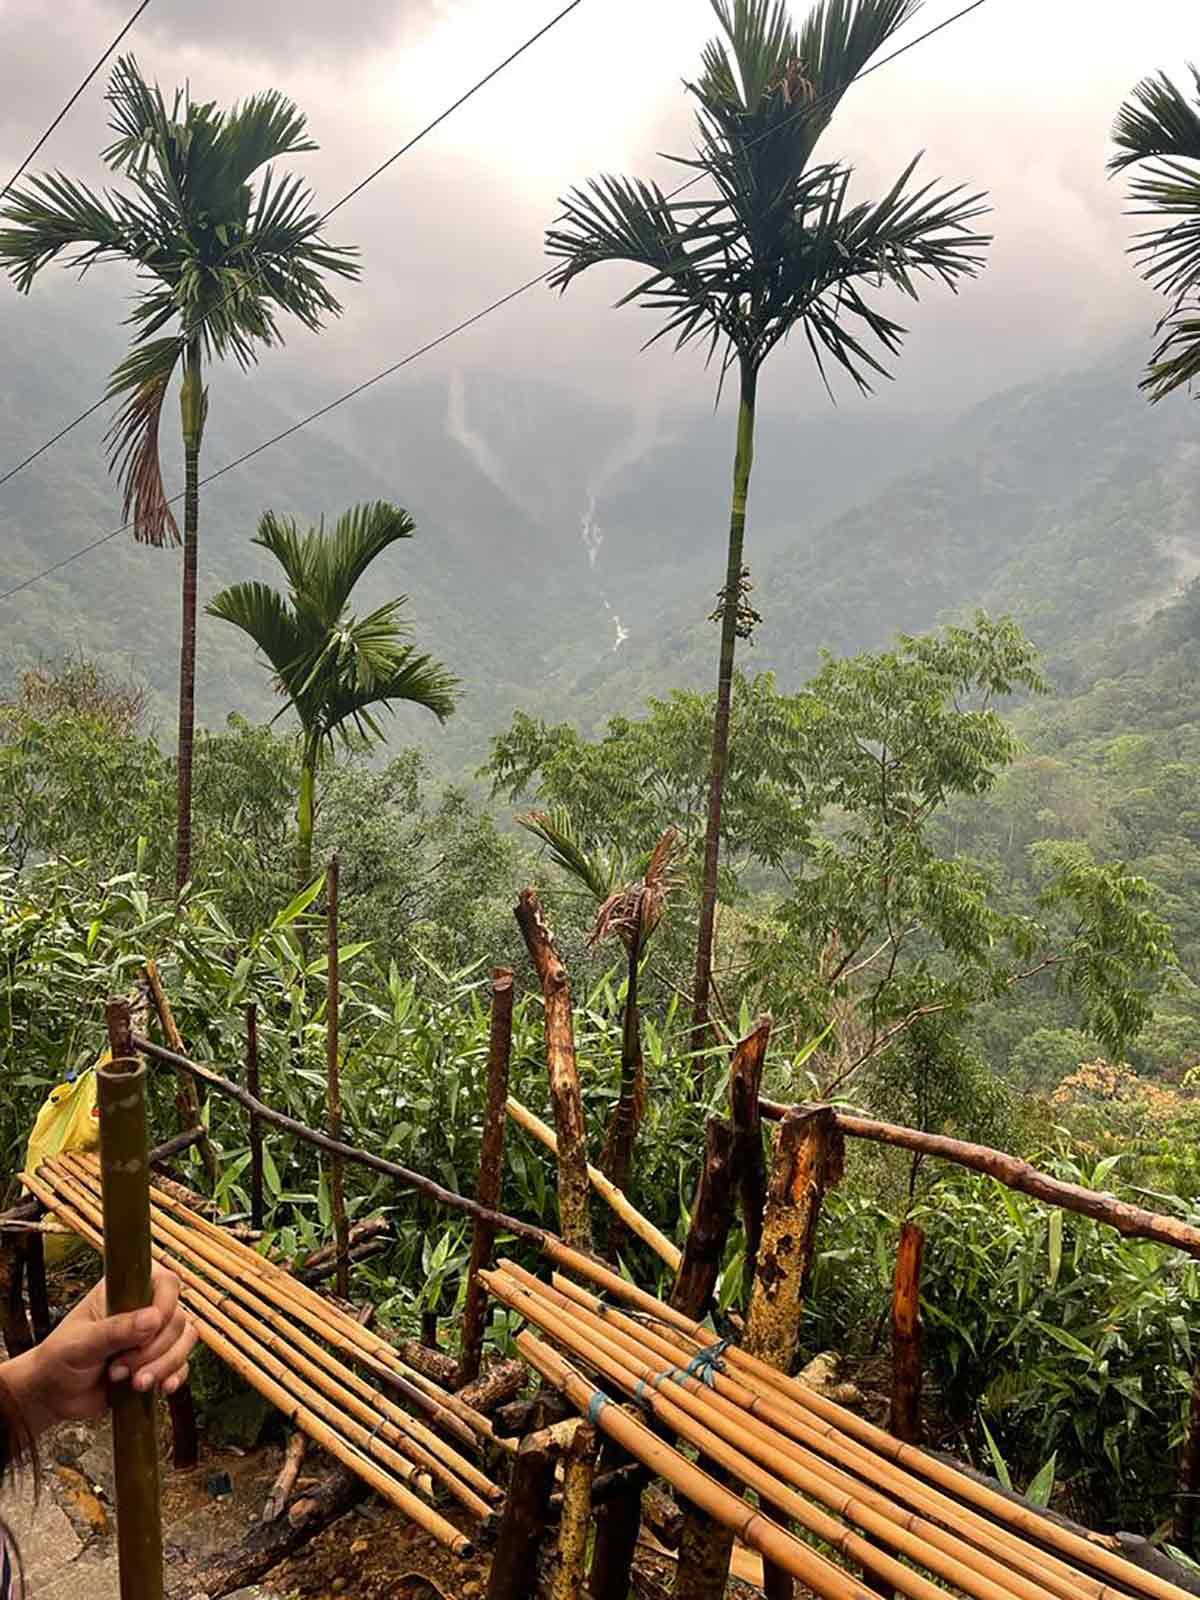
pixel 905 1417
pixel 125 1179
pixel 257 1209
pixel 340 1384
pixel 337 1173
pixel 187 1101
pixel 1133 1221
pixel 757 1463
pixel 631 1360
pixel 784 1394
pixel 579 1470
pixel 745 1086
pixel 321 1141
pixel 491 1171
pixel 620 1203
pixel 821 1576
pixel 574 1214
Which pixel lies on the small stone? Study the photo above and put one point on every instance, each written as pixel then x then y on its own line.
pixel 339 1585
pixel 359 1547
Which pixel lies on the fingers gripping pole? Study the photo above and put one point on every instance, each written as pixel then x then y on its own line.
pixel 125 1172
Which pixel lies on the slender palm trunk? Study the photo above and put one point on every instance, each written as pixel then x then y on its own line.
pixel 743 461
pixel 306 811
pixel 617 1160
pixel 191 402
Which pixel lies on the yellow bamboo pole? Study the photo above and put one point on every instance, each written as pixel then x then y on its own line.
pixel 604 1187
pixel 383 1484
pixel 460 1476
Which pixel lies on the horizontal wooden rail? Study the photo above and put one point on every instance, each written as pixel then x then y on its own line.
pixel 349 1152
pixel 1134 1221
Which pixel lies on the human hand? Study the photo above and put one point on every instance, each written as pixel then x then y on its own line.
pixel 66 1377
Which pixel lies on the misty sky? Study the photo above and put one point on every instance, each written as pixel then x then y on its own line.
pixel 1016 99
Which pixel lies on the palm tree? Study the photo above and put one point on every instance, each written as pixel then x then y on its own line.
pixel 777 246
pixel 1158 125
pixel 630 909
pixel 333 667
pixel 218 260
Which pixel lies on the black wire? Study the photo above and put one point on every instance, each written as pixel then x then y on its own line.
pixel 449 333
pixel 58 119
pixel 321 220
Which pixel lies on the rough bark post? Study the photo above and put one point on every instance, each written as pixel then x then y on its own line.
pixel 573 1187
pixel 618 1522
pixel 17 1335
pixel 1189 1473
pixel 905 1419
pixel 285 1479
pixel 745 1083
pixel 125 1182
pixel 256 1137
pixel 616 1161
pixel 491 1168
pixel 337 1173
pixel 187 1097
pixel 35 1278
pixel 514 1565
pixel 429 1330
pixel 807 1161
pixel 579 1469
pixel 712 1213
pixel 193 403
pixel 705 1545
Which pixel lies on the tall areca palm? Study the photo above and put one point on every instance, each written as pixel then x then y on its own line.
pixel 1158 125
pixel 772 245
pixel 334 668
pixel 218 261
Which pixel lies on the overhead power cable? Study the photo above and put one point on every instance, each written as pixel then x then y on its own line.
pixel 350 194
pixel 440 339
pixel 66 109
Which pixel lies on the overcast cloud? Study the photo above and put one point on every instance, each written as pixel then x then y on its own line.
pixel 1016 99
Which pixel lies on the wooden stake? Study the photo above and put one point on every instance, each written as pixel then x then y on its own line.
pixel 905 1419
pixel 745 1084
pixel 187 1098
pixel 285 1481
pixel 337 1175
pixel 125 1175
pixel 1189 1473
pixel 491 1170
pixel 35 1278
pixel 514 1565
pixel 579 1469
pixel 17 1335
pixel 574 1215
pixel 257 1212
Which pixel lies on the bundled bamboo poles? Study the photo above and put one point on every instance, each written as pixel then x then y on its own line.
pixel 260 1332
pixel 1013 1534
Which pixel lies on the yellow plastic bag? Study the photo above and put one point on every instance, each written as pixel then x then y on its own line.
pixel 69 1120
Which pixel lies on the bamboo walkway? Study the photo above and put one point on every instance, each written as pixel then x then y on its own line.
pixel 328 1374
pixel 896 1514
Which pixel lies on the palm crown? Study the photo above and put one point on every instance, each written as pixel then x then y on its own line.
pixel 333 667
pixel 1159 126
pixel 779 243
pixel 217 260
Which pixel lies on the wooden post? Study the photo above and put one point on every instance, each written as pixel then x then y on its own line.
pixel 187 1096
pixel 712 1213
pixel 706 1545
pixel 618 1523
pixel 491 1168
pixel 514 1565
pixel 807 1161
pixel 905 1419
pixel 35 1278
pixel 17 1335
pixel 125 1179
pixel 1189 1473
pixel 745 1083
pixel 579 1469
pixel 256 1138
pixel 337 1177
pixel 573 1187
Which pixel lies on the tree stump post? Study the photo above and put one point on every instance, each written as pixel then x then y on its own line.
pixel 526 1510
pixel 807 1161
pixel 491 1168
pixel 17 1335
pixel 905 1418
pixel 745 1083
pixel 705 1545
pixel 574 1190
pixel 35 1279
pixel 579 1470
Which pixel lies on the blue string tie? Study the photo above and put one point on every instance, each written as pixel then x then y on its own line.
pixel 706 1363
pixel 596 1405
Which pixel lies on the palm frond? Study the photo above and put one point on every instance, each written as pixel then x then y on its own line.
pixel 1157 121
pixel 416 679
pixel 262 129
pixel 634 911
pixel 264 615
pixel 143 378
pixel 556 829
pixel 359 536
pixel 51 214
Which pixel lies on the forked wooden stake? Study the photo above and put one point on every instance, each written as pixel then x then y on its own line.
pixel 125 1175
